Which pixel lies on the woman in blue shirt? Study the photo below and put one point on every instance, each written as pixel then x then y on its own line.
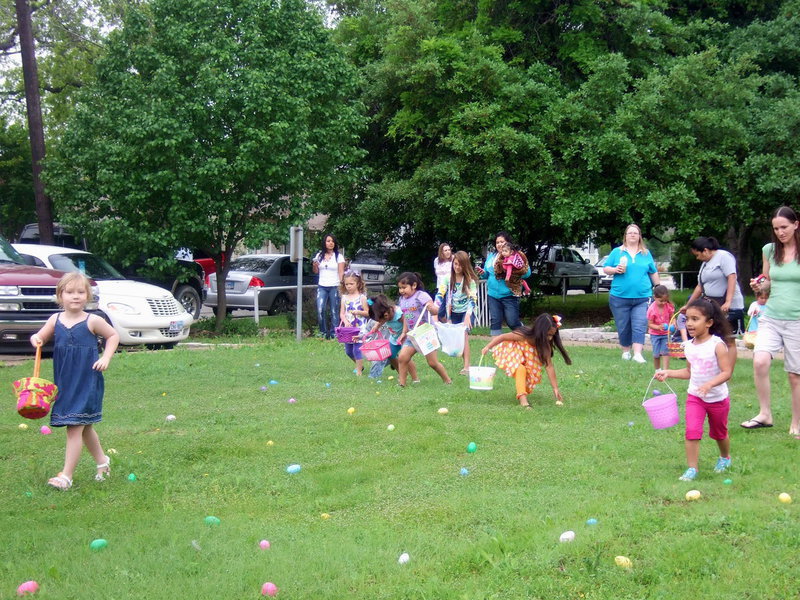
pixel 635 275
pixel 503 304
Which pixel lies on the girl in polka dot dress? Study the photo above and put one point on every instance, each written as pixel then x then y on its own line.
pixel 523 352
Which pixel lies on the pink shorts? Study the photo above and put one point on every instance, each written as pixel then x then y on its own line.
pixel 696 411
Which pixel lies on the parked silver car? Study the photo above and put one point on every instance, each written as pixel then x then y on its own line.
pixel 559 265
pixel 604 283
pixel 265 271
pixel 374 266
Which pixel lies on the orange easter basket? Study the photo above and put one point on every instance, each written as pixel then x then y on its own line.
pixel 35 395
pixel 675 348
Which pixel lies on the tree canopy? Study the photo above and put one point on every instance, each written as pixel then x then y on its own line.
pixel 207 124
pixel 564 121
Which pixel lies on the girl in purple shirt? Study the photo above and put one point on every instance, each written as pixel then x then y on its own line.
pixel 413 301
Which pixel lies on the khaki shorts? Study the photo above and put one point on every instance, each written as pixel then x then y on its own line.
pixel 775 335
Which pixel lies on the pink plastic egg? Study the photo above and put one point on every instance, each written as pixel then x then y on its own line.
pixel 29 587
pixel 269 589
pixel 264 544
pixel 45 430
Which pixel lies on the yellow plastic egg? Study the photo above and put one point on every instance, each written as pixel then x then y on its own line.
pixel 693 495
pixel 623 561
pixel 785 498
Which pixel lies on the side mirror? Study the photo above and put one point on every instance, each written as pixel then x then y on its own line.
pixel 586 261
pixel 28 260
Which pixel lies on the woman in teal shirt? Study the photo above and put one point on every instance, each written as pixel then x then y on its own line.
pixel 779 323
pixel 635 275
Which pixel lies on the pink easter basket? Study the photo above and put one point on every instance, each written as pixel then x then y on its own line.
pixel 376 350
pixel 34 394
pixel 662 409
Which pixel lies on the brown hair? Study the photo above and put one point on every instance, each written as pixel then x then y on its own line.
pixel 788 214
pixel 70 278
pixel 440 256
pixel 466 269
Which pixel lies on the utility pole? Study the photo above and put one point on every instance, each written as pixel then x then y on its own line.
pixel 44 207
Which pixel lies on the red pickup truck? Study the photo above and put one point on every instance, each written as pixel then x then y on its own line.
pixel 27 299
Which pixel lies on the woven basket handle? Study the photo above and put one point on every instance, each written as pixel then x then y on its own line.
pixel 38 362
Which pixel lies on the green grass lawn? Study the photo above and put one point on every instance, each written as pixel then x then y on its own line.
pixel 491 534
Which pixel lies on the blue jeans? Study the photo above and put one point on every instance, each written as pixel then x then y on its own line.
pixel 331 296
pixel 500 308
pixel 630 314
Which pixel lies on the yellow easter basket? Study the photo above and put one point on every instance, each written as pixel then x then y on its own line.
pixel 35 395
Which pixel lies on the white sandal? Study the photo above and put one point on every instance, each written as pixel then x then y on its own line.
pixel 106 473
pixel 60 482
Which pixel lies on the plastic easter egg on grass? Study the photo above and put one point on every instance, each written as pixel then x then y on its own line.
pixel 269 589
pixel 270 443
pixel 464 471
pixel 785 498
pixel 390 427
pixel 292 400
pixel 273 382
pixel 390 377
pixel 351 410
pixel 263 388
pixel 728 481
pixel 264 544
pixel 324 516
pixel 623 561
pixel 23 426
pixel 567 536
pixel 45 430
pixel 443 411
pixel 693 495
pixel 591 521
pixel 29 587
pixel 171 417
pixel 472 447
pixel 111 451
pixel 132 477
pixel 212 521
pixel 293 469
pixel 403 558
pixel 98 544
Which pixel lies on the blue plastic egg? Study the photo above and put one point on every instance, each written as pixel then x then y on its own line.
pixel 293 469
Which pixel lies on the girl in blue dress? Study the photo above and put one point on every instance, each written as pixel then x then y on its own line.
pixel 77 369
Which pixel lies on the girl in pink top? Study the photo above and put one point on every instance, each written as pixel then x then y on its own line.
pixel 709 365
pixel 659 314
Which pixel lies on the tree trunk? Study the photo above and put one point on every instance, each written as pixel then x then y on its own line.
pixel 738 238
pixel 44 207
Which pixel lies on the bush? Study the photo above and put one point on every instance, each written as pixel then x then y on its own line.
pixel 309 315
pixel 230 326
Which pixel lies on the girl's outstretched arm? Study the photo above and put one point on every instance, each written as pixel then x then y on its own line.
pixel 551 375
pixel 505 337
pixel 663 374
pixel 41 337
pixel 100 327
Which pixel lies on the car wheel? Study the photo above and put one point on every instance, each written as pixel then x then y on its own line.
pixel 215 310
pixel 279 305
pixel 189 299
pixel 593 287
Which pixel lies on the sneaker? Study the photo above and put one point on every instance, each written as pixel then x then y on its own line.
pixel 723 464
pixel 689 475
pixel 626 356
pixel 639 359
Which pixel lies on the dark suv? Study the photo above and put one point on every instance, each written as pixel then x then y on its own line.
pixel 27 299
pixel 558 265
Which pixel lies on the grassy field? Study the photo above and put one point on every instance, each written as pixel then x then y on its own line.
pixel 493 533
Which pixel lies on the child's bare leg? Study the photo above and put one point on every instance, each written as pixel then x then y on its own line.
pixel 656 362
pixel 412 370
pixel 724 447
pixel 404 360
pixel 520 379
pixel 466 353
pixel 92 443
pixel 73 451
pixel 693 453
pixel 665 362
pixel 433 363
pixel 359 366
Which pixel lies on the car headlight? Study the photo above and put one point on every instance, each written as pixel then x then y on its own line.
pixel 9 290
pixel 9 306
pixel 122 308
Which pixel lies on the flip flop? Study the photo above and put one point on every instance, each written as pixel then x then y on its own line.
pixel 757 424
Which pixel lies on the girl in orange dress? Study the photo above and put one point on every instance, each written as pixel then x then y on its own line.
pixel 523 352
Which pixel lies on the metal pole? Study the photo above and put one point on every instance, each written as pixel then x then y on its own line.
pixel 299 302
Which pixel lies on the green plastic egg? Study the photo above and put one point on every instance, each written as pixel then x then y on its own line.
pixel 212 521
pixel 98 544
pixel 471 447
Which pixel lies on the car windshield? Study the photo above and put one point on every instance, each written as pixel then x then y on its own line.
pixel 601 262
pixel 8 254
pixel 251 264
pixel 88 264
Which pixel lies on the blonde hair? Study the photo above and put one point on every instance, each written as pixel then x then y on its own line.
pixel 360 285
pixel 642 246
pixel 70 278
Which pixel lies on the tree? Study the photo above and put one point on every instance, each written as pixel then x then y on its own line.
pixel 16 192
pixel 208 124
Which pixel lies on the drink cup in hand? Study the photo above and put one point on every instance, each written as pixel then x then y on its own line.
pixel 623 262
